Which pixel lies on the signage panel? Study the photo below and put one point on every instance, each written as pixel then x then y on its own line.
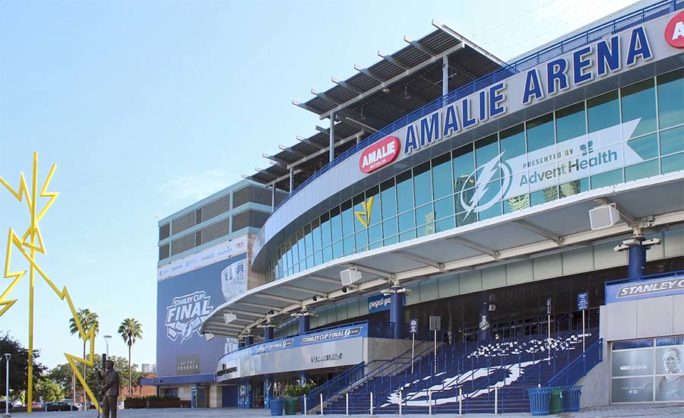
pixel 413 326
pixel 582 301
pixel 335 353
pixel 379 303
pixel 644 289
pixel 379 154
pixel 183 302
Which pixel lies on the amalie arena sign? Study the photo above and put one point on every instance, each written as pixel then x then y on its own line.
pixel 380 154
pixel 634 47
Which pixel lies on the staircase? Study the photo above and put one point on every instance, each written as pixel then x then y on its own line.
pixel 469 376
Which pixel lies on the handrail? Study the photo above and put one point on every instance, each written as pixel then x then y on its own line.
pixel 340 378
pixel 535 58
pixel 571 373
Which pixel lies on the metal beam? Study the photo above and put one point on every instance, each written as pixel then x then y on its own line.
pixel 255 314
pixel 288 149
pixel 540 231
pixel 306 107
pixel 361 124
pixel 384 84
pixel 346 85
pixel 419 47
pixel 326 97
pixel 281 178
pixel 306 290
pixel 257 305
pixel 367 73
pixel 310 142
pixel 274 297
pixel 477 247
pixel 324 150
pixel 325 280
pixel 380 273
pixel 467 42
pixel 423 260
pixel 393 61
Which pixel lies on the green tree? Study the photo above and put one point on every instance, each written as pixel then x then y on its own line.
pixel 18 365
pixel 131 331
pixel 88 320
pixel 49 390
pixel 62 375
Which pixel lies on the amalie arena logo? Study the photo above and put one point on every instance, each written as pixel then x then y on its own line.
pixel 379 154
pixel 674 31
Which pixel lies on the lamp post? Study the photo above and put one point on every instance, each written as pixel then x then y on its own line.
pixel 107 338
pixel 7 359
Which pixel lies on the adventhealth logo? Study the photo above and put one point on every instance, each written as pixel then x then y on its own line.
pixel 185 315
pixel 597 152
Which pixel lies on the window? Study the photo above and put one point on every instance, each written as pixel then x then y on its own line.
pixel 671 99
pixel 164 232
pixel 571 122
pixel 422 183
pixel 540 132
pixel 638 102
pixel 603 111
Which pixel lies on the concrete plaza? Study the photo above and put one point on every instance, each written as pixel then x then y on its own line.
pixel 659 410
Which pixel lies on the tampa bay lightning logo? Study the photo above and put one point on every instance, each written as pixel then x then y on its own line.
pixel 472 201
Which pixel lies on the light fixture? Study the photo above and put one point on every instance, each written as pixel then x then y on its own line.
pixel 344 289
pixel 349 276
pixel 314 298
pixel 229 317
pixel 386 90
pixel 407 96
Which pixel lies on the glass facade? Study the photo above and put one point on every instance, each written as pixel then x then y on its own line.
pixel 438 195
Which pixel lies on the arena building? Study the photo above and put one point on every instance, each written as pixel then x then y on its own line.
pixel 205 254
pixel 467 228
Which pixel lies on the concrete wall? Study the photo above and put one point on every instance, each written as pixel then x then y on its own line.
pixel 215 396
pixel 596 383
pixel 385 349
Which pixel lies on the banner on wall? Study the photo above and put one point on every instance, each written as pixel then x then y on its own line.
pixel 644 289
pixel 648 374
pixel 184 301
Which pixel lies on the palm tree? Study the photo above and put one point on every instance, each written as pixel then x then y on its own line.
pixel 131 331
pixel 88 320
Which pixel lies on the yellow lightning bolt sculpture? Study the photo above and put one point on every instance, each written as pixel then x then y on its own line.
pixel 30 243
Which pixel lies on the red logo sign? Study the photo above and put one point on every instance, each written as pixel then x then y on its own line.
pixel 674 31
pixel 379 154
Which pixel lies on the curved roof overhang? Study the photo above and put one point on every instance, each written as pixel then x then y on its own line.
pixel 654 202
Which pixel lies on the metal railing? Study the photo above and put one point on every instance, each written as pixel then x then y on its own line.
pixel 594 34
pixel 579 367
pixel 333 386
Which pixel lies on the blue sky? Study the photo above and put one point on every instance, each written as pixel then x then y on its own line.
pixel 148 106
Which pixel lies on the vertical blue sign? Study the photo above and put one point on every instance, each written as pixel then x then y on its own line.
pixel 582 301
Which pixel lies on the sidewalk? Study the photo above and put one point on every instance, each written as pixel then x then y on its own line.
pixel 660 410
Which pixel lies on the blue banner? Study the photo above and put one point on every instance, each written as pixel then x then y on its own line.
pixel 379 303
pixel 644 289
pixel 341 333
pixel 183 303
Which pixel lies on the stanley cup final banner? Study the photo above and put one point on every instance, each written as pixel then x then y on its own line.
pixel 184 301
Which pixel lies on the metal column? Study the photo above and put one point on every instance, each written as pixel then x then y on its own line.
pixel 396 313
pixel 331 150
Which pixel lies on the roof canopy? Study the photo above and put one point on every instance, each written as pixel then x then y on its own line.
pixel 377 96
